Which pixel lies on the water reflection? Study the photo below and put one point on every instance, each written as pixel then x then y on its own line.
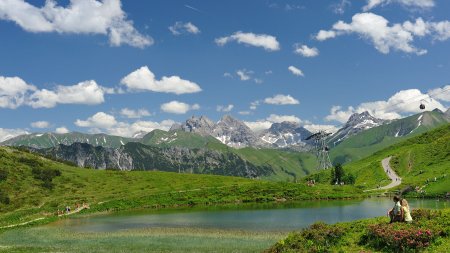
pixel 265 217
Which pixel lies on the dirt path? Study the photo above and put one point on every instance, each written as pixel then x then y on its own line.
pixel 41 218
pixel 396 180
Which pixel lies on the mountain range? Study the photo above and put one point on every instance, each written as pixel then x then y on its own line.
pixel 229 147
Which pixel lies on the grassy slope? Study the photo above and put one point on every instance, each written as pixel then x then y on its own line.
pixel 370 141
pixel 352 236
pixel 429 152
pixel 116 190
pixel 288 166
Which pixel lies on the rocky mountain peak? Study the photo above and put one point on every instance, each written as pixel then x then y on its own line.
pixel 284 126
pixel 201 125
pixel 357 122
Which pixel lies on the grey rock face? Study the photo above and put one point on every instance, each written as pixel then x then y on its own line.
pixel 136 156
pixel 228 130
pixel 286 135
pixel 357 123
pixel 202 125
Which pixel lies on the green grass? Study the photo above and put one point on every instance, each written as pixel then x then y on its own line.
pixel 358 236
pixel 372 140
pixel 53 239
pixel 107 190
pixel 415 160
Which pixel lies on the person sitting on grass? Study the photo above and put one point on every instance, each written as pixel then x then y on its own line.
pixel 395 214
pixel 406 211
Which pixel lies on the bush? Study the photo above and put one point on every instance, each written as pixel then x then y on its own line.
pixel 319 237
pixel 398 237
pixel 4 198
pixel 3 175
pixel 46 176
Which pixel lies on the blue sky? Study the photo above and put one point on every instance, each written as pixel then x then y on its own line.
pixel 99 66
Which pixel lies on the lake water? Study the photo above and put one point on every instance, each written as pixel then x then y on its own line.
pixel 261 217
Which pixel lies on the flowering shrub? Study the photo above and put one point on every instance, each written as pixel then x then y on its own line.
pixel 319 237
pixel 399 237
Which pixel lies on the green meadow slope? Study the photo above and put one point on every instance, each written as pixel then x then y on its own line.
pixel 415 160
pixel 32 186
pixel 372 140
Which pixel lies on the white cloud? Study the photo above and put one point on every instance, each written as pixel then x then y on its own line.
pixel 177 107
pixel 62 130
pixel 143 79
pixel 281 100
pixel 306 51
pixel 420 4
pixel 339 8
pixel 87 92
pixel 254 105
pixel 40 124
pixel 79 17
pixel 6 134
pixel 281 118
pixel 313 128
pixel 295 71
pixel 98 120
pixel 266 123
pixel 179 28
pixel 223 108
pixel 257 126
pixel 244 74
pixel 129 130
pixel 227 74
pixel 442 94
pixel 384 37
pixel 268 42
pixel 102 122
pixel 402 103
pixel 134 114
pixel 13 92
pixel 258 81
pixel 245 112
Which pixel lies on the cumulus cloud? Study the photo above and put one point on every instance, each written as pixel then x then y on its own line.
pixel 6 134
pixel 281 100
pixel 87 93
pixel 223 108
pixel 420 4
pixel 384 37
pixel 134 114
pixel 441 94
pixel 314 128
pixel 79 17
pixel 40 124
pixel 177 107
pixel 182 28
pixel 306 51
pixel 143 79
pixel 62 130
pixel 295 71
pixel 266 123
pixel 102 122
pixel 268 42
pixel 98 120
pixel 402 103
pixel 258 126
pixel 14 92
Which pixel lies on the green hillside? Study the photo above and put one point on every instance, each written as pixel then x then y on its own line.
pixel 372 140
pixel 180 139
pixel 32 186
pixel 415 160
pixel 47 140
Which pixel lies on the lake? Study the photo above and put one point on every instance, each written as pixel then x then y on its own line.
pixel 259 217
